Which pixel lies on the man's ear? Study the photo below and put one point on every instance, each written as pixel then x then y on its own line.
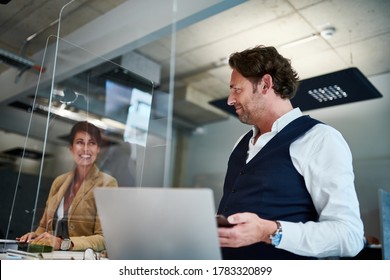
pixel 266 83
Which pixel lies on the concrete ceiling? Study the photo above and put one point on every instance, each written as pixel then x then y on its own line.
pixel 361 39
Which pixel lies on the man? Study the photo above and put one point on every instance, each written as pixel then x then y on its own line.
pixel 289 188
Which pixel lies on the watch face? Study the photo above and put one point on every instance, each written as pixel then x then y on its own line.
pixel 66 244
pixel 276 239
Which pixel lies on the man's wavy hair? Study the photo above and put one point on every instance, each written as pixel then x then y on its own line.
pixel 254 63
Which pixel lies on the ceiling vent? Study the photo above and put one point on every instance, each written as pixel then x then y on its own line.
pixel 193 106
pixel 336 88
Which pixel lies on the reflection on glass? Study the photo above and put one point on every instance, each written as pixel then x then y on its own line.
pixel 130 106
pixel 70 218
pixel 118 107
pixel 80 86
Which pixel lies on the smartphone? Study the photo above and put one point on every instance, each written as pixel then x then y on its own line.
pixel 222 221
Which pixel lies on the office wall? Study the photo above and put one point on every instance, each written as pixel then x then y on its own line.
pixel 363 125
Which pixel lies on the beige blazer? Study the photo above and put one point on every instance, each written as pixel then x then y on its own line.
pixel 84 226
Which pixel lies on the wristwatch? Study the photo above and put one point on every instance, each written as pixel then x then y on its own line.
pixel 276 237
pixel 66 244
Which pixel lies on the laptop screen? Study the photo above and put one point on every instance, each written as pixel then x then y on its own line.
pixel 158 223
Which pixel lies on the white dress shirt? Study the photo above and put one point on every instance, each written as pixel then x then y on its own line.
pixel 324 159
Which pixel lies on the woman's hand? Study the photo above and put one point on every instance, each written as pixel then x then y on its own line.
pixel 48 240
pixel 42 239
pixel 27 238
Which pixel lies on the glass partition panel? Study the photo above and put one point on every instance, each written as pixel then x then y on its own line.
pixel 112 98
pixel 116 101
pixel 95 73
pixel 87 127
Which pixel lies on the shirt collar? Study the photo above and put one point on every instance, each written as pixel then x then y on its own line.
pixel 284 120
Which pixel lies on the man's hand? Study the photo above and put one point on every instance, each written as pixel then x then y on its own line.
pixel 249 229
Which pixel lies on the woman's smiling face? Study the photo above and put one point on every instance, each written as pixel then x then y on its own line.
pixel 84 149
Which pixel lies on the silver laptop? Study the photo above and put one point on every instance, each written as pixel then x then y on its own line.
pixel 158 223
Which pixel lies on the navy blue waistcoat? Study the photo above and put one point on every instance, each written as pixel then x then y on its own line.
pixel 270 186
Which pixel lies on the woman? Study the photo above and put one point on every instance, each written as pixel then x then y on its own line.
pixel 70 220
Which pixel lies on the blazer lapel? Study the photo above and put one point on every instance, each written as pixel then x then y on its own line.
pixel 57 197
pixel 88 184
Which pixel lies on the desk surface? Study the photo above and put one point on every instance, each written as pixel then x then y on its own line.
pixel 55 255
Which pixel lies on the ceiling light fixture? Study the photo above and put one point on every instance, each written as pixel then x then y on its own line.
pixel 326 33
pixel 19 62
pixel 336 88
